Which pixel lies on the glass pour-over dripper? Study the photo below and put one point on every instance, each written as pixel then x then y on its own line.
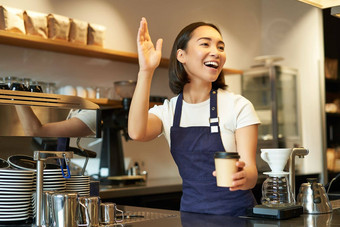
pixel 276 191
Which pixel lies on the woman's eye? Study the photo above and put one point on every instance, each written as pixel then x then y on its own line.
pixel 221 48
pixel 204 44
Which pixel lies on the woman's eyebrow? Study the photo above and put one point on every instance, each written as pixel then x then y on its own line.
pixel 207 38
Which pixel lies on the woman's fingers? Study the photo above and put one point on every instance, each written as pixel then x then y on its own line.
pixel 237 184
pixel 143 31
pixel 240 164
pixel 146 30
pixel 159 44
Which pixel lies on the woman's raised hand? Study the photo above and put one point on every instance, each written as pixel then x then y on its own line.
pixel 149 56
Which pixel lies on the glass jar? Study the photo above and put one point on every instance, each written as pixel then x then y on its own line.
pixel 42 85
pixel 35 87
pixel 50 88
pixel 276 191
pixel 10 79
pixel 3 85
pixel 17 84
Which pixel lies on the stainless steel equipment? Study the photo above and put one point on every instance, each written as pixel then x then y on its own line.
pixel 108 214
pixel 65 210
pixel 301 153
pixel 41 157
pixel 10 98
pixel 46 208
pixel 272 89
pixel 91 213
pixel 47 107
pixel 313 198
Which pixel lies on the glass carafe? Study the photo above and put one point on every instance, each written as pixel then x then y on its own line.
pixel 276 191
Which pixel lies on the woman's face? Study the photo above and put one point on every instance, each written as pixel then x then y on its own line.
pixel 204 56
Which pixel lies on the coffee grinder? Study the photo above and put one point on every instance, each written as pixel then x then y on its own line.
pixel 278 199
pixel 114 126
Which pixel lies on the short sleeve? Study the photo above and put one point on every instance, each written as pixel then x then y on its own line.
pixel 88 117
pixel 165 113
pixel 245 113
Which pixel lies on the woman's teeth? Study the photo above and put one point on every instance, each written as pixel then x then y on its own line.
pixel 211 64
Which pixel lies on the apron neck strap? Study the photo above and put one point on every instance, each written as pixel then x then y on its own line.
pixel 178 110
pixel 213 110
pixel 213 120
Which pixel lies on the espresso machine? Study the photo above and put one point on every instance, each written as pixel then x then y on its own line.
pixel 114 127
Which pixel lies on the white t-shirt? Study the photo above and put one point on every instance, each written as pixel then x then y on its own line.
pixel 234 112
pixel 87 116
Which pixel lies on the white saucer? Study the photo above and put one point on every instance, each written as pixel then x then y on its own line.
pixel 277 174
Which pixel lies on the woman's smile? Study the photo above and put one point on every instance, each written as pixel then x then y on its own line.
pixel 204 56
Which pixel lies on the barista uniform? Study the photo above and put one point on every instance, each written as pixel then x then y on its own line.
pixel 86 116
pixel 193 146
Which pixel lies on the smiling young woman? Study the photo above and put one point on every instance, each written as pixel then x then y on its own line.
pixel 202 119
pixel 203 60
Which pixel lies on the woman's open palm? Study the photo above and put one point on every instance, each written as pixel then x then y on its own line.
pixel 149 57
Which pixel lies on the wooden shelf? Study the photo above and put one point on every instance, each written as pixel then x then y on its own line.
pixel 333 115
pixel 35 42
pixel 333 85
pixel 103 102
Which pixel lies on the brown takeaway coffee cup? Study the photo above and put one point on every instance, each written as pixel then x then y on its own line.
pixel 225 165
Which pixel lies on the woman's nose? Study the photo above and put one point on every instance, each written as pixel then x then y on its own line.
pixel 214 52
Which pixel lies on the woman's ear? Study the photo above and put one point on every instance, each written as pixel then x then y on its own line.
pixel 180 56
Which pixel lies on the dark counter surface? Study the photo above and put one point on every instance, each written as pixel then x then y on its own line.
pixel 147 217
pixel 169 185
pixel 152 186
pixel 166 218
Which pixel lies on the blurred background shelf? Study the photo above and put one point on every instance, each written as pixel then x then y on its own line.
pixel 34 42
pixel 104 102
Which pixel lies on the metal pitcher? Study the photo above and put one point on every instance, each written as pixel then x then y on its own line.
pixel 65 210
pixel 313 198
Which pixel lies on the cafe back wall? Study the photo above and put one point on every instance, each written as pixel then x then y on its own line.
pixel 243 24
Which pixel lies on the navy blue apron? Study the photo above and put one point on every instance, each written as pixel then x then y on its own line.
pixel 193 150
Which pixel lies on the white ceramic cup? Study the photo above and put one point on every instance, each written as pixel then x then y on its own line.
pixel 276 158
pixel 91 93
pixel 225 165
pixel 81 92
pixel 69 90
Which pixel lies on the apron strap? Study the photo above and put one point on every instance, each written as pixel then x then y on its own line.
pixel 178 110
pixel 213 120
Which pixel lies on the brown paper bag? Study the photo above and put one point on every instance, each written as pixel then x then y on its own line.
pixel 58 27
pixel 35 23
pixel 78 31
pixel 96 35
pixel 11 19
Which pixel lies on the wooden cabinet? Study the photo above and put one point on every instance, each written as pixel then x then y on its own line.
pixel 331 26
pixel 333 119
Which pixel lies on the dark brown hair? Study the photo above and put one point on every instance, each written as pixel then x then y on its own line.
pixel 178 77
